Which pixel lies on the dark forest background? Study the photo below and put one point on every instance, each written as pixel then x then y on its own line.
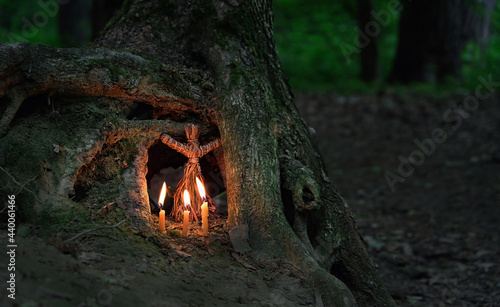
pixel 362 46
pixel 376 79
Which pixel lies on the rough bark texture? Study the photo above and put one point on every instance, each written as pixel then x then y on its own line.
pixel 212 63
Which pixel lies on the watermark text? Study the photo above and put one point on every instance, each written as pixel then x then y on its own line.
pixel 453 116
pixel 11 247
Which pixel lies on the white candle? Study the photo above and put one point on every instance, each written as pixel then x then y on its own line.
pixel 161 200
pixel 187 203
pixel 204 207
pixel 162 220
pixel 204 218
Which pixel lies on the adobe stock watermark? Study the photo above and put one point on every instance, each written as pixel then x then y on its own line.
pixel 363 37
pixel 31 26
pixel 454 116
pixel 11 247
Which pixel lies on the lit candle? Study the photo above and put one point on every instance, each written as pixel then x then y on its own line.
pixel 187 204
pixel 160 203
pixel 204 207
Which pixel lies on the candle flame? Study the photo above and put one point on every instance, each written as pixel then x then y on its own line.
pixel 201 189
pixel 187 201
pixel 163 193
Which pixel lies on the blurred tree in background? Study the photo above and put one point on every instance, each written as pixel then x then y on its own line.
pixel 102 12
pixel 341 46
pixel 368 54
pixel 73 20
pixel 28 21
pixel 432 35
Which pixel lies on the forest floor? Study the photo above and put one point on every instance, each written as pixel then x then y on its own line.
pixel 435 238
pixel 436 235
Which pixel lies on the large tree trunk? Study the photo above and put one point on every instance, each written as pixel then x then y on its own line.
pixel 209 63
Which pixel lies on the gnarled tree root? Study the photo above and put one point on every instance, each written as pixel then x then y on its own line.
pixel 27 70
pixel 332 254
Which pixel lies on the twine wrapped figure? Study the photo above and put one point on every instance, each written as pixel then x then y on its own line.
pixel 193 151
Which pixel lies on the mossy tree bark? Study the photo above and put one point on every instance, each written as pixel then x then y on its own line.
pixel 212 63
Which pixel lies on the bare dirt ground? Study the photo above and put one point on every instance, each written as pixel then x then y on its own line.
pixel 120 266
pixel 436 237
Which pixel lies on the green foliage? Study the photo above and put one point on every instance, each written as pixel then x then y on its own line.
pixel 309 34
pixel 479 61
pixel 27 21
pixel 308 38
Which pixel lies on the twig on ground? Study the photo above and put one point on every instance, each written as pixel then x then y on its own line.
pixel 55 293
pixel 94 229
pixel 22 185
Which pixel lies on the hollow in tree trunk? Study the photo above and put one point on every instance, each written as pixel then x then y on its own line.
pixel 157 66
